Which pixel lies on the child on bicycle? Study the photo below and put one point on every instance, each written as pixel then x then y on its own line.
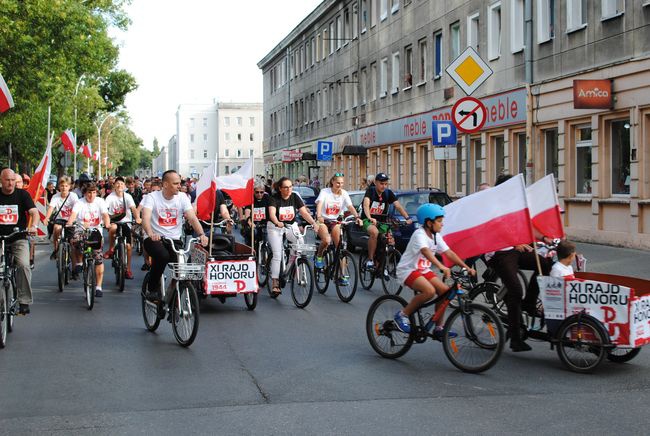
pixel 566 254
pixel 414 269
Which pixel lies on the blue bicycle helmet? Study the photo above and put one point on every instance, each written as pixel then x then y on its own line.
pixel 429 211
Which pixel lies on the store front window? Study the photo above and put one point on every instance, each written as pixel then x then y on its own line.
pixel 459 167
pixel 583 160
pixel 521 155
pixel 477 162
pixel 620 157
pixel 500 164
pixel 551 152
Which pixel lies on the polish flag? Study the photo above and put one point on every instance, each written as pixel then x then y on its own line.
pixel 42 174
pixel 206 193
pixel 96 155
pixel 545 207
pixel 6 100
pixel 85 149
pixel 489 220
pixel 68 140
pixel 239 185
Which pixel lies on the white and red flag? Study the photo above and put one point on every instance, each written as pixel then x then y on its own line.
pixel 545 207
pixel 206 193
pixel 68 140
pixel 239 185
pixel 86 151
pixel 489 220
pixel 96 155
pixel 39 180
pixel 6 100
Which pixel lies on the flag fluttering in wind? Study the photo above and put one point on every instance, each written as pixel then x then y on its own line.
pixel 6 100
pixel 39 180
pixel 86 151
pixel 239 185
pixel 206 192
pixel 68 140
pixel 545 207
pixel 96 155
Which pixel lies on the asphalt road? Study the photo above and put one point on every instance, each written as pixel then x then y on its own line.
pixel 282 370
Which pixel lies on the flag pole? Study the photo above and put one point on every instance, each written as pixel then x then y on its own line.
pixel 212 216
pixel 253 209
pixel 532 232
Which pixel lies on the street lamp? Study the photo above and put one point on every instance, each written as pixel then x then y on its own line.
pixel 106 165
pixel 99 143
pixel 74 153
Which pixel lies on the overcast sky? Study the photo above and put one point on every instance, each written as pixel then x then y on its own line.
pixel 192 51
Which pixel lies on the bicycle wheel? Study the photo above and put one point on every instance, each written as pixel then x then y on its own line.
pixel 120 266
pixel 384 336
pixel 322 275
pixel 139 246
pixel 4 318
pixel 10 295
pixel 302 283
pixel 67 262
pixel 251 300
pixel 149 308
pixel 366 276
pixel 60 266
pixel 262 264
pixel 486 293
pixel 185 314
pixel 473 338
pixel 622 355
pixel 500 305
pixel 89 283
pixel 581 343
pixel 389 280
pixel 345 277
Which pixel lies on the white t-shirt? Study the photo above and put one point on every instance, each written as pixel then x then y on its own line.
pixel 333 205
pixel 167 215
pixel 116 204
pixel 66 210
pixel 90 214
pixel 413 259
pixel 561 270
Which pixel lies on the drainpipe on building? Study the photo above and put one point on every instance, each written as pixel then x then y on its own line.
pixel 289 111
pixel 528 57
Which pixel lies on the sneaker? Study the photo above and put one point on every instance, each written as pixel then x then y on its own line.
pixel 109 254
pixel 76 271
pixel 53 255
pixel 386 275
pixel 439 334
pixel 145 267
pixel 402 321
pixel 319 263
pixel 344 281
pixel 31 264
pixel 370 265
pixel 519 345
pixel 23 309
pixel 99 293
pixel 128 275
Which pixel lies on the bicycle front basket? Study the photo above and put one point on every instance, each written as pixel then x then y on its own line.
pixel 303 248
pixel 186 271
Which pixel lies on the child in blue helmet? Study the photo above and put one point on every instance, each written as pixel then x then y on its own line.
pixel 414 268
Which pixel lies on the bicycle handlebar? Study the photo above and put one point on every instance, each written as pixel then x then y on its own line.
pixel 299 233
pixel 182 251
pixel 14 234
pixel 222 223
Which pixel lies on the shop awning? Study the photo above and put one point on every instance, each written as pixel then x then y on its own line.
pixel 354 150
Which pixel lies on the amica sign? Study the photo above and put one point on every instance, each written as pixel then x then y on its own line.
pixel 592 94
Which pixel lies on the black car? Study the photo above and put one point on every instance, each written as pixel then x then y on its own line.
pixel 309 196
pixel 410 200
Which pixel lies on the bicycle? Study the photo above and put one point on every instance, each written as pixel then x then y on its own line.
pixel 472 337
pixel 8 297
pixel 340 265
pixel 87 246
pixel 387 258
pixel 63 256
pixel 119 260
pixel 263 253
pixel 179 301
pixel 294 267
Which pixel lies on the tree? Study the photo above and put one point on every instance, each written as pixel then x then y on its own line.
pixel 156 149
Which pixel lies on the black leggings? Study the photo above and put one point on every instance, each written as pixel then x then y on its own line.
pixel 161 254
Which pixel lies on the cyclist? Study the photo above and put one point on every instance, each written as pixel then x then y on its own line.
pixel 414 268
pixel 375 206
pixel 15 205
pixel 134 190
pixel 162 216
pixel 89 211
pixel 61 207
pixel 330 204
pixel 260 212
pixel 156 185
pixel 120 202
pixel 285 205
pixel 83 180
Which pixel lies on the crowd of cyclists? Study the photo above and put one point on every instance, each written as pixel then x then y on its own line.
pixel 161 209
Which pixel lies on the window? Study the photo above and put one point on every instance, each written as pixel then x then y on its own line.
pixel 325 106
pixel 437 55
pixel 332 37
pixel 583 160
pixel 191 154
pixel 620 156
pixel 339 32
pixel 576 15
pixel 227 169
pixel 227 136
pixel 545 20
pixel 355 89
pixel 192 137
pixel 551 152
pixel 494 31
pixel 191 122
pixel 239 137
pixel 478 162
pixel 239 152
pixel 454 36
pixel 459 167
pixel 364 15
pixel 250 153
pixel 383 11
pixel 364 85
pixel 408 67
pixel 326 43
pixel 346 27
pixel 521 149
pixel 332 99
pixel 373 13
pixel 226 121
pixel 205 154
pixel 205 137
pixel 383 78
pixel 251 121
pixel 312 52
pixel 500 160
pixel 226 152
pixel 373 81
pixel 355 21
pixel 517 26
pixel 395 73
pixel 318 106
pixel 395 6
pixel 251 137
pixel 205 122
pixel 472 31
pixel 423 60
pixel 239 121
pixel 612 8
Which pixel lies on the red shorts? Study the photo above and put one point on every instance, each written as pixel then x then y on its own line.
pixel 429 275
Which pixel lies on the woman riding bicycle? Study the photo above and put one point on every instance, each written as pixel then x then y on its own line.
pixel 330 204
pixel 283 210
pixel 61 206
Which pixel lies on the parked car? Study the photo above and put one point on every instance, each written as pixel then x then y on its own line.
pixel 410 200
pixel 309 196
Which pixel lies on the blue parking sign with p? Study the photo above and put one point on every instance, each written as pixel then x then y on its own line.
pixel 443 133
pixel 324 151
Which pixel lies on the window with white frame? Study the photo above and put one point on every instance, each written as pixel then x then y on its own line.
pixel 612 8
pixel 500 159
pixel 250 153
pixel 191 154
pixel 205 137
pixel 583 159
pixel 454 41
pixel 472 31
pixel 319 106
pixel 205 122
pixel 373 12
pixel 551 157
pixel 520 142
pixel 227 136
pixel 251 121
pixel 364 15
pixel 192 137
pixel 318 48
pixel 226 121
pixel 325 103
pixel 312 57
pixel 395 73
pixel 545 20
pixel 576 15
pixel 251 137
pixel 494 31
pixel 239 152
pixel 355 21
pixel 408 66
pixel 205 154
pixel 383 11
pixel 332 37
pixel 226 152
pixel 346 27
pixel 332 99
pixel 517 26
pixel 620 154
pixel 437 55
pixel 339 32
pixel 364 85
pixel 339 97
pixel 227 169
pixel 239 137
pixel 355 89
pixel 373 81
pixel 394 6
pixel 383 78
pixel 326 43
pixel 191 122
pixel 239 121
pixel 422 44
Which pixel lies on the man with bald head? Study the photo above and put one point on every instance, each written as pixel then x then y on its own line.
pixel 15 205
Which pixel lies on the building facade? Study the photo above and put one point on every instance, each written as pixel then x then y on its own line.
pixel 160 163
pixel 369 76
pixel 231 132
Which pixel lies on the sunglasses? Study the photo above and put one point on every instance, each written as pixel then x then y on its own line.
pixel 259 192
pixel 339 175
pixel 286 187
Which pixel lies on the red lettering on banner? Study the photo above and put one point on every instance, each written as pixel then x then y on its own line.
pixel 503 110
pixel 241 285
pixel 609 313
pixel 368 137
pixel 446 116
pixel 416 128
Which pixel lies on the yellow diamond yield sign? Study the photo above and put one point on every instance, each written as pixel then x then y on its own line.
pixel 469 71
